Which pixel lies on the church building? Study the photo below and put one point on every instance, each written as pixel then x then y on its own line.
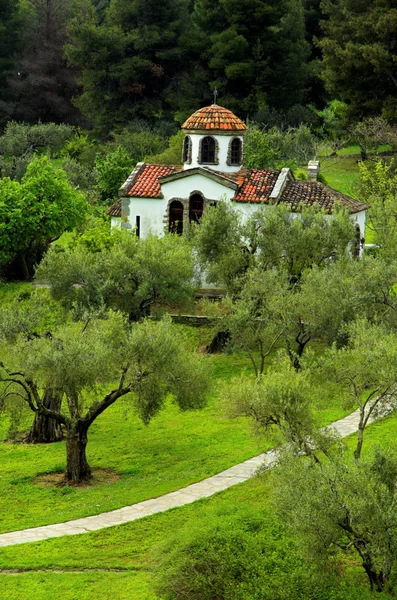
pixel 165 198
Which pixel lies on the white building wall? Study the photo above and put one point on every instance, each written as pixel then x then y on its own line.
pixel 184 187
pixel 151 212
pixel 223 149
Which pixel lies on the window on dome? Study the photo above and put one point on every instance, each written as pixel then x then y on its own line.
pixel 236 152
pixel 187 150
pixel 208 150
pixel 176 217
pixel 196 206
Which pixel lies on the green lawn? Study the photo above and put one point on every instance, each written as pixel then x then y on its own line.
pixel 342 174
pixel 119 562
pixel 142 462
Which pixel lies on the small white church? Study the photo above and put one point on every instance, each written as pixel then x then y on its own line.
pixel 165 198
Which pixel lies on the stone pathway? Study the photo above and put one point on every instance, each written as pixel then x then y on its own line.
pixel 187 495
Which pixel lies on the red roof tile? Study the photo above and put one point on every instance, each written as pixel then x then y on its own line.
pixel 254 185
pixel 214 118
pixel 308 193
pixel 146 184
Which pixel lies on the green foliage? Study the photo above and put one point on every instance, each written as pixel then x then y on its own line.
pixel 239 556
pixel 37 210
pixel 79 175
pixel 80 148
pixel 111 172
pixel 275 148
pixel 281 400
pixel 245 43
pixel 21 139
pixel 358 60
pixel 339 505
pixel 378 188
pixel 139 141
pixel 131 275
pixel 129 60
pixel 171 155
pixel 272 237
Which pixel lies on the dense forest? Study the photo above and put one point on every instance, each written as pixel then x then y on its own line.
pixel 101 64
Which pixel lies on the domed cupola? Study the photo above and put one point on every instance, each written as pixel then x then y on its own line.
pixel 215 139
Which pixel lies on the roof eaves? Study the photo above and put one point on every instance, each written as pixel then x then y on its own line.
pixel 129 183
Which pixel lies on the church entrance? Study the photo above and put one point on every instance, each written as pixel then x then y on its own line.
pixel 176 217
pixel 196 207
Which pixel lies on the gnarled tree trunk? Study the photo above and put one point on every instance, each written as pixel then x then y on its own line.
pixel 45 429
pixel 77 467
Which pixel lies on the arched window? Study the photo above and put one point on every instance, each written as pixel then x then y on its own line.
pixel 176 217
pixel 236 147
pixel 187 150
pixel 196 206
pixel 208 146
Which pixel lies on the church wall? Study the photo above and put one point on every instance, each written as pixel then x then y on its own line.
pixel 223 142
pixel 151 212
pixel 182 188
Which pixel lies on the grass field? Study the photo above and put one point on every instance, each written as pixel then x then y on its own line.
pixel 119 562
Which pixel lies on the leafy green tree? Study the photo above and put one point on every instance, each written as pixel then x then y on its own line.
pixel 129 60
pixel 281 402
pixel 83 361
pixel 131 275
pixel 366 370
pixel 36 212
pixel 29 319
pixel 256 52
pixel 378 187
pixel 359 58
pixel 272 237
pixel 111 170
pixel 340 506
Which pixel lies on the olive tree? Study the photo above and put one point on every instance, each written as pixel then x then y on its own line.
pixel 272 237
pixel 94 364
pixel 132 275
pixel 27 319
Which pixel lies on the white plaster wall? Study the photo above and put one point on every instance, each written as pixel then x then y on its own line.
pixel 223 144
pixel 151 211
pixel 182 188
pixel 115 222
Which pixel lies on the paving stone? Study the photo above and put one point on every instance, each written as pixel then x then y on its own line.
pixel 187 495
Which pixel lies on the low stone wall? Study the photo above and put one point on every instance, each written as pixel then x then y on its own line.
pixel 192 320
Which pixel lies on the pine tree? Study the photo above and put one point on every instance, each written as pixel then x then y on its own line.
pixel 10 41
pixel 256 51
pixel 360 55
pixel 129 61
pixel 43 84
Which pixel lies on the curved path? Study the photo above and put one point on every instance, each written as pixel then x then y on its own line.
pixel 187 495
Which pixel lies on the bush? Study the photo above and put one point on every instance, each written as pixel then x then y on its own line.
pixel 81 149
pixel 78 174
pixel 20 139
pixel 171 155
pixel 243 556
pixel 139 141
pixel 111 172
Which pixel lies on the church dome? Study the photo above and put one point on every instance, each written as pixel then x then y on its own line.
pixel 214 118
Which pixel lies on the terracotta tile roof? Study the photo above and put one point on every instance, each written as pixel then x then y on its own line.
pixel 254 185
pixel 214 118
pixel 146 183
pixel 308 193
pixel 115 209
